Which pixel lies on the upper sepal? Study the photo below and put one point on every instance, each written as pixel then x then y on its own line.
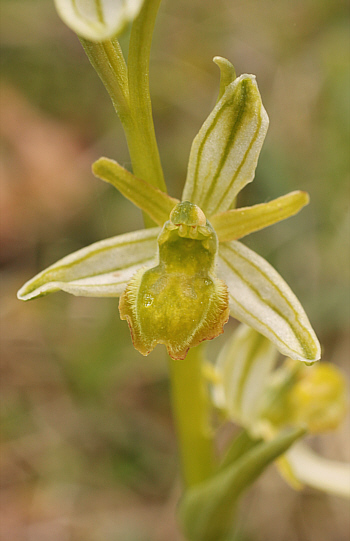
pixel 225 152
pixel 99 270
pixel 98 20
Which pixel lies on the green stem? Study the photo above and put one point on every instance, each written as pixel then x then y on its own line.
pixel 142 141
pixel 191 412
pixel 128 87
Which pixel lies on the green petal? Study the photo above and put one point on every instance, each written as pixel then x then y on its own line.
pixel 156 203
pixel 260 298
pixel 245 363
pixel 98 20
pixel 99 270
pixel 206 511
pixel 225 152
pixel 237 223
pixel 311 469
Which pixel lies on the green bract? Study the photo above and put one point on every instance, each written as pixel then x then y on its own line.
pixel 183 271
pixel 98 20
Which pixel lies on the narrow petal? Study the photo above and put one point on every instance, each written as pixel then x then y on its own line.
pixel 99 270
pixel 157 204
pixel 237 223
pixel 245 363
pixel 225 152
pixel 97 20
pixel 260 298
pixel 318 472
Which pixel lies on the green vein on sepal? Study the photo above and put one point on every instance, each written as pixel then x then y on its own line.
pixel 237 223
pixel 154 202
pixel 206 510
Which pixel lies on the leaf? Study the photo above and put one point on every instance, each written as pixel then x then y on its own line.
pixel 237 223
pixel 99 270
pixel 206 510
pixel 328 475
pixel 98 20
pixel 225 152
pixel 156 203
pixel 245 363
pixel 260 298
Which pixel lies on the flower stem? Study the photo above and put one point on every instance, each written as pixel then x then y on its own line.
pixel 128 87
pixel 191 412
pixel 142 145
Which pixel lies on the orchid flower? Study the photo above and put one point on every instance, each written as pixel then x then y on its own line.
pixel 263 399
pixel 179 281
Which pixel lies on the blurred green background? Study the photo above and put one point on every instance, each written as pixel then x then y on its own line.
pixel 88 451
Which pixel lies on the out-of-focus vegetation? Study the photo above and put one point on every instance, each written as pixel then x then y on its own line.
pixel 88 451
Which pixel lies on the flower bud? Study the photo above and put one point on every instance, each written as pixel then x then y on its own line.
pixel 98 20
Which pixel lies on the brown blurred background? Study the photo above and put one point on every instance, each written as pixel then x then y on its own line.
pixel 88 451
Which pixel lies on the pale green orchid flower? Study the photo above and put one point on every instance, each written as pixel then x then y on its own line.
pixel 98 20
pixel 263 399
pixel 194 270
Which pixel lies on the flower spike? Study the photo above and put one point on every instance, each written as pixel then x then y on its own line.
pixel 180 301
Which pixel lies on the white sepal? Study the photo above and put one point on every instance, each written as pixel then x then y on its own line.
pixel 99 270
pixel 98 20
pixel 245 363
pixel 260 298
pixel 311 469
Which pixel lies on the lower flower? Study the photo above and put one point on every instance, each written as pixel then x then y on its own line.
pixel 265 400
